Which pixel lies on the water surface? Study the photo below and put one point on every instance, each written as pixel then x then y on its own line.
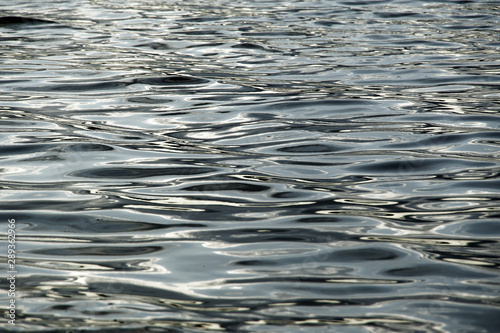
pixel 252 166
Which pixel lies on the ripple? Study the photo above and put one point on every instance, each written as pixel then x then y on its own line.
pixel 445 271
pixel 413 166
pixel 8 20
pixel 170 80
pixel 365 254
pixel 311 148
pixel 100 251
pixel 228 187
pixel 133 173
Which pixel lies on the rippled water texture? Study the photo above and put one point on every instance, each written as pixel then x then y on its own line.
pixel 251 166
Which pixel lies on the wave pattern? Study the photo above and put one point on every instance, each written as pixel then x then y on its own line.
pixel 264 166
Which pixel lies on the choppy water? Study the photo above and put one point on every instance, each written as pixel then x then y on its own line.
pixel 252 166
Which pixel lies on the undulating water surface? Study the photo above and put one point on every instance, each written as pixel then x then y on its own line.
pixel 251 166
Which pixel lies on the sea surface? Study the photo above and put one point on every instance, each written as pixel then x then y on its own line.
pixel 251 166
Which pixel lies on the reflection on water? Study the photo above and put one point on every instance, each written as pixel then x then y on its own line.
pixel 264 166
